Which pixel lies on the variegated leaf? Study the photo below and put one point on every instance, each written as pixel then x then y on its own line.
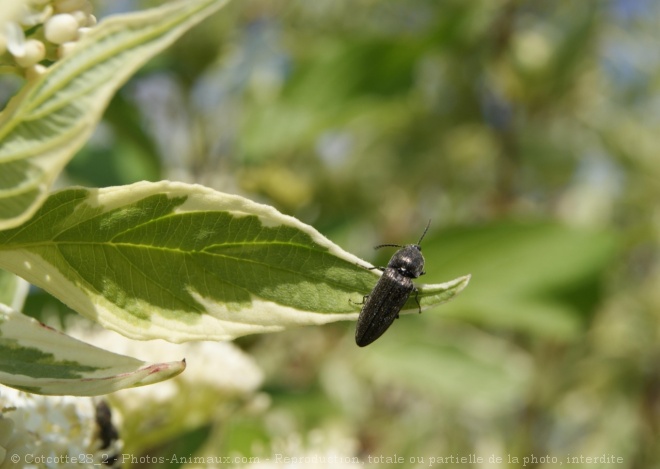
pixel 53 116
pixel 41 360
pixel 183 262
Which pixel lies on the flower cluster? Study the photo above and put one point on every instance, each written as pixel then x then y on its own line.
pixel 14 446
pixel 41 31
pixel 42 431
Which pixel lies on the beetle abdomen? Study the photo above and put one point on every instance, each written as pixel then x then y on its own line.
pixel 382 306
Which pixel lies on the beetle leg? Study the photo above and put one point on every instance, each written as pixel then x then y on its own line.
pixel 417 300
pixel 364 299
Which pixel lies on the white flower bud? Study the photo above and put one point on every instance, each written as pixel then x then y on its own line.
pixel 81 17
pixel 61 28
pixel 34 52
pixel 65 49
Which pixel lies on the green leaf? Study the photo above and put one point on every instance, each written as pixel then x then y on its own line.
pixel 53 116
pixel 183 262
pixel 41 360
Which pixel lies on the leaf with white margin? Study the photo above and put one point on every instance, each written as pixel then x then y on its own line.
pixel 183 262
pixel 53 116
pixel 40 360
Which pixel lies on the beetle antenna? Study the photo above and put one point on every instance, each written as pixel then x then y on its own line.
pixel 424 234
pixel 388 245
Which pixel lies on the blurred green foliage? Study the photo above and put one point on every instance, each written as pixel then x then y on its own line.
pixel 527 131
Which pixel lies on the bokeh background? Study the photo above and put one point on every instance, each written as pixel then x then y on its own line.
pixel 528 132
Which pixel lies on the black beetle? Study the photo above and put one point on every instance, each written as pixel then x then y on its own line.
pixel 381 307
